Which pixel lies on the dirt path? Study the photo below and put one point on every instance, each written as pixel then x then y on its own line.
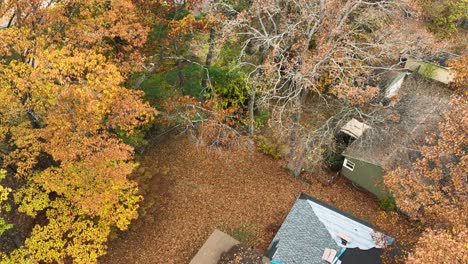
pixel 189 191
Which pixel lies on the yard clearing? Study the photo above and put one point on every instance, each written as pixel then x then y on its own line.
pixel 190 190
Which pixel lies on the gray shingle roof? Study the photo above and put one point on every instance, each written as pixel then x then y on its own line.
pixel 306 232
pixel 302 237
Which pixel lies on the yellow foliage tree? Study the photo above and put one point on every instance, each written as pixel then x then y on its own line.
pixel 62 101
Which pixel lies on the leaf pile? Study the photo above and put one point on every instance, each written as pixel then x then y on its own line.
pixel 190 190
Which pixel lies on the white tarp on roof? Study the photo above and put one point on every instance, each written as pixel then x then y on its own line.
pixel 394 87
pixel 354 128
pixel 361 236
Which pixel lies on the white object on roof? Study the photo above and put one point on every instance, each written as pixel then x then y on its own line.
pixel 361 236
pixel 395 85
pixel 329 255
pixel 354 128
pixel 345 237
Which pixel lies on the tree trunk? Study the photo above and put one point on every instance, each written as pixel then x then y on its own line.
pixel 252 95
pixel 179 65
pixel 295 151
pixel 209 56
pixel 10 22
pixel 151 71
pixel 251 111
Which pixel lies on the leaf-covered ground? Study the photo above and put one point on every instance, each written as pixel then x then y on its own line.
pixel 191 190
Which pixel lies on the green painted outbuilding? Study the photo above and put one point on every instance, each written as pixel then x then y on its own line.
pixel 394 133
pixel 365 174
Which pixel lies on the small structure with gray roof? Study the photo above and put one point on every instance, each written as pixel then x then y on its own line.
pixel 313 228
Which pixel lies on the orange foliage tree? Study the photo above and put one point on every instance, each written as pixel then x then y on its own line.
pixel 458 65
pixel 62 65
pixel 111 28
pixel 433 190
pixel 173 24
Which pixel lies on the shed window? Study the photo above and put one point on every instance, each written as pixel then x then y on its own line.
pixel 349 165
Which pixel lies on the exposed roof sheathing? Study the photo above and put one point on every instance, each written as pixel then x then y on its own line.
pixel 302 237
pixel 360 236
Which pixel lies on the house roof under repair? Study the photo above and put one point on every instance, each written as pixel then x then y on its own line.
pixel 396 129
pixel 314 232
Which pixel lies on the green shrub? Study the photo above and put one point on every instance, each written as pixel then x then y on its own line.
pixel 192 75
pixel 388 204
pixel 239 5
pixel 161 85
pixel 229 55
pixel 245 233
pixel 137 139
pixel 229 86
pixel 4 226
pixel 267 147
pixel 443 15
pixel 334 160
pixel 261 118
pixel 157 89
pixel 428 70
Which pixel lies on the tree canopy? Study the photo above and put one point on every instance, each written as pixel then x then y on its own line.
pixel 433 190
pixel 80 82
pixel 61 74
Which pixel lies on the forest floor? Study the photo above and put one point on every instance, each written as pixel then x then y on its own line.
pixel 190 190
